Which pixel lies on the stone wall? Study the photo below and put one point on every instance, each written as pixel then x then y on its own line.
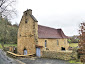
pixel 59 55
pixel 52 44
pixel 27 34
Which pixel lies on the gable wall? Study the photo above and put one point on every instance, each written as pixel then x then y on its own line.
pixel 27 38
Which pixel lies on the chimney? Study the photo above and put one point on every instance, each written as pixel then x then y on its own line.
pixel 28 11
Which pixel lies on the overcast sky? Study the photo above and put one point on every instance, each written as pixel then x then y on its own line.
pixel 64 14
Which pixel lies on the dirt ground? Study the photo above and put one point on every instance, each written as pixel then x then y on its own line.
pixel 43 61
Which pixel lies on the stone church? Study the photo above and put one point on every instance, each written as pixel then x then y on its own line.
pixel 34 38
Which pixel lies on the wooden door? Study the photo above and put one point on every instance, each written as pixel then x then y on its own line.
pixel 38 52
pixel 25 52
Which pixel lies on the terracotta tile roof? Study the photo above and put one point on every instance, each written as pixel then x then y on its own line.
pixel 47 32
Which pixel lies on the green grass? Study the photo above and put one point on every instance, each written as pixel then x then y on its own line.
pixel 74 62
pixel 7 45
pixel 0 46
pixel 73 44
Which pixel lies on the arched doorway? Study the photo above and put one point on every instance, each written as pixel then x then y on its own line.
pixel 25 51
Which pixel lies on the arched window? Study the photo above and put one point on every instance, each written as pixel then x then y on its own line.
pixel 57 42
pixel 45 43
pixel 64 41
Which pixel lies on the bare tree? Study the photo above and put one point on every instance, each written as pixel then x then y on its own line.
pixel 7 8
pixel 7 11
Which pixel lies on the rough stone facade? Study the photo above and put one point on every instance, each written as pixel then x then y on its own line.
pixel 28 36
pixel 52 44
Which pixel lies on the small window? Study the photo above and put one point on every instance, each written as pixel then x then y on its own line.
pixel 57 42
pixel 62 48
pixel 64 41
pixel 45 43
pixel 26 14
pixel 20 34
pixel 26 21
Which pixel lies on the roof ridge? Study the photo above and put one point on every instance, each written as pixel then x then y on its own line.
pixel 50 27
pixel 33 17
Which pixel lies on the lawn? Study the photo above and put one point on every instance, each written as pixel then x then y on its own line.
pixel 0 46
pixel 74 62
pixel 73 44
pixel 7 45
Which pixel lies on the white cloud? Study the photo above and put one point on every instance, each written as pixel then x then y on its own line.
pixel 65 14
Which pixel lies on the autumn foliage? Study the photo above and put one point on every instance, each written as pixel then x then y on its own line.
pixel 82 42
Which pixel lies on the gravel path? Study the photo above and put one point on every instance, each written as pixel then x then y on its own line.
pixel 6 60
pixel 43 61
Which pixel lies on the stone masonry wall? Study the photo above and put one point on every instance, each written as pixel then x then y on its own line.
pixel 27 34
pixel 52 44
pixel 59 55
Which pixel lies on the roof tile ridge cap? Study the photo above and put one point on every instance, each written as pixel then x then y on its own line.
pixel 64 34
pixel 47 27
pixel 34 17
